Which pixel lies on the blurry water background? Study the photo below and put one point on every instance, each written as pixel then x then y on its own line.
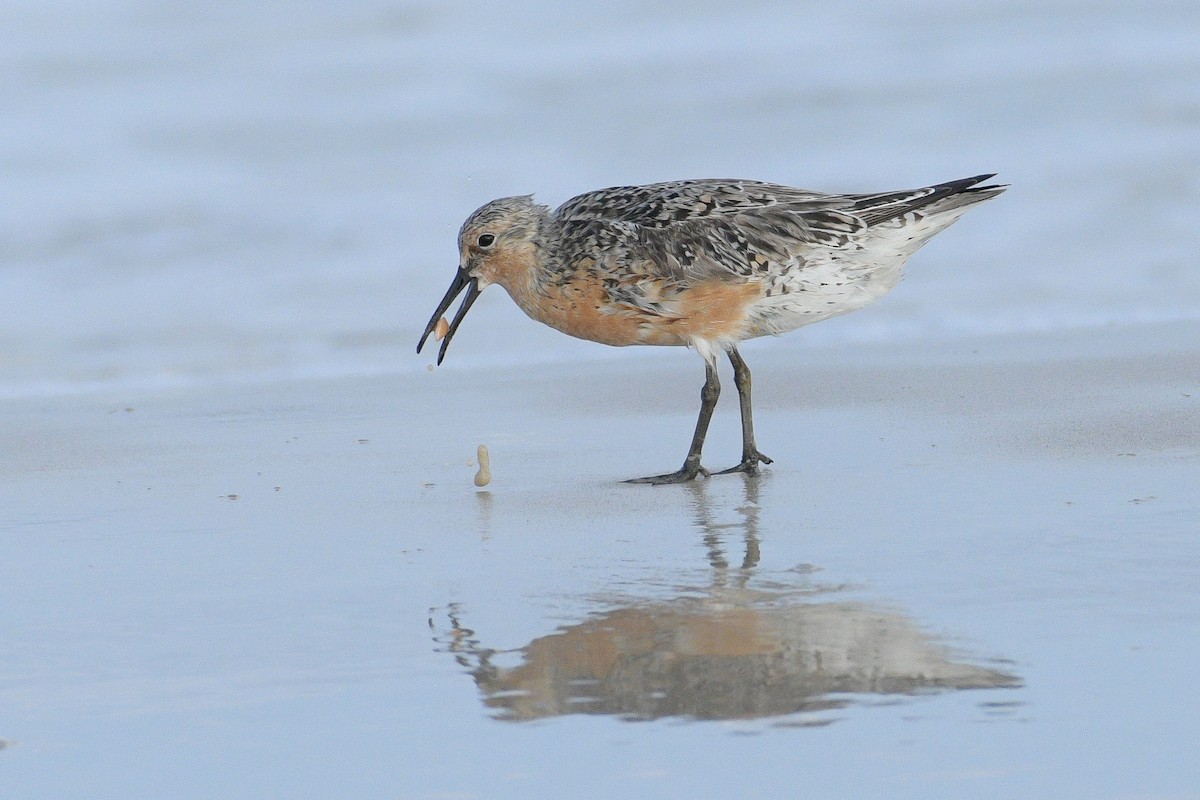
pixel 194 191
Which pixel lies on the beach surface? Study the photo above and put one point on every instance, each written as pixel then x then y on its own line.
pixel 972 570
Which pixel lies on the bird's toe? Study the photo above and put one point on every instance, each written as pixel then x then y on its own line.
pixel 749 464
pixel 681 475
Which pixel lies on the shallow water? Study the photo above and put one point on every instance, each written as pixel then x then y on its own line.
pixel 940 588
pixel 259 187
pixel 240 553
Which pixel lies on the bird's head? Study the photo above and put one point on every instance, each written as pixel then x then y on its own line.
pixel 496 244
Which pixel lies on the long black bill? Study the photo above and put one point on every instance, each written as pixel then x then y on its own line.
pixel 461 281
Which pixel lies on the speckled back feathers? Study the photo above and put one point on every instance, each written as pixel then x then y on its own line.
pixel 699 228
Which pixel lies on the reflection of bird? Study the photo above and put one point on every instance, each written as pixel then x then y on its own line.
pixel 724 651
pixel 718 658
pixel 705 263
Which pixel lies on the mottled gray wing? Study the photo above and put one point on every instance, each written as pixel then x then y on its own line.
pixel 657 205
pixel 684 253
pixel 755 242
pixel 690 231
pixel 693 230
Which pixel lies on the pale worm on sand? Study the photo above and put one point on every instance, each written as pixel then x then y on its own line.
pixel 484 476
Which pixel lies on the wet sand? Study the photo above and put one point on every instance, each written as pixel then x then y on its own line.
pixel 972 570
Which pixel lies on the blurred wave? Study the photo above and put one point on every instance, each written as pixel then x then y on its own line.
pixel 272 189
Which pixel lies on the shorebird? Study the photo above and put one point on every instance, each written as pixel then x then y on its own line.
pixel 703 263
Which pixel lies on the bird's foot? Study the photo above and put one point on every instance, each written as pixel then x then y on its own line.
pixel 682 475
pixel 749 465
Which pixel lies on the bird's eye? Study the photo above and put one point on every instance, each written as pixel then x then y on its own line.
pixel 486 240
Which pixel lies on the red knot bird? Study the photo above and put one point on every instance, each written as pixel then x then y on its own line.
pixel 704 263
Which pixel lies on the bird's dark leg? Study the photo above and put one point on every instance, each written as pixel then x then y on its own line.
pixel 691 466
pixel 750 455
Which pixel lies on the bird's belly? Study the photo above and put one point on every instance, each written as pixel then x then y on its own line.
pixel 578 308
pixel 821 291
pixel 715 310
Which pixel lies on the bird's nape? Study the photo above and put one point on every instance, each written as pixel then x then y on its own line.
pixel 461 281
